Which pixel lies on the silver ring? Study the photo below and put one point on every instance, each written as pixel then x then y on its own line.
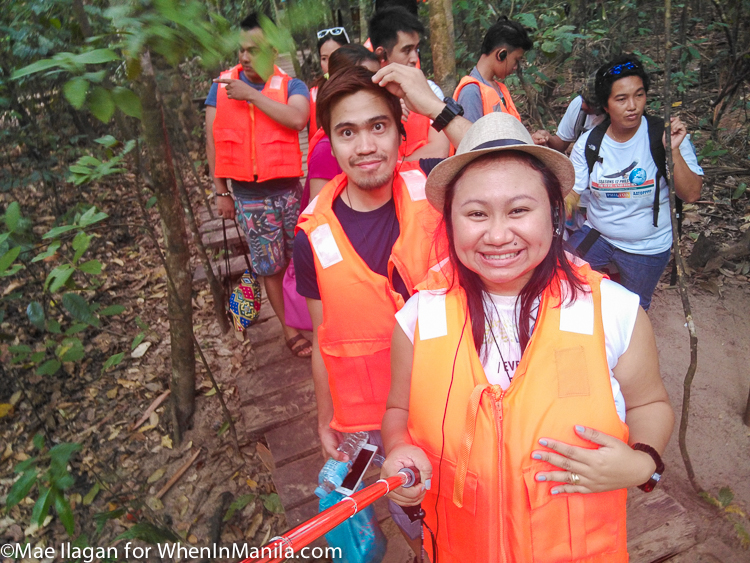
pixel 575 478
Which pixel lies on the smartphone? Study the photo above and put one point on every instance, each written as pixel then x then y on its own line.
pixel 358 470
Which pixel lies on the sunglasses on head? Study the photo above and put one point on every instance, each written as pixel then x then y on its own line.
pixel 333 31
pixel 617 69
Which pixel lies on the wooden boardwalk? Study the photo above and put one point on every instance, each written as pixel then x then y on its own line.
pixel 278 407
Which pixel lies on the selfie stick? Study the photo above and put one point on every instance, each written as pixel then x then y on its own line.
pixel 281 547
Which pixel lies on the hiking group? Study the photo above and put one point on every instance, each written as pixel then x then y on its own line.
pixel 451 266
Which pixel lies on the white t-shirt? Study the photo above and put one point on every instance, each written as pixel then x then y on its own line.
pixel 619 311
pixel 566 128
pixel 436 89
pixel 621 202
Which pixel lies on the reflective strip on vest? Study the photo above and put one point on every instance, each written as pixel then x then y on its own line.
pixel 432 315
pixel 415 183
pixel 578 316
pixel 325 246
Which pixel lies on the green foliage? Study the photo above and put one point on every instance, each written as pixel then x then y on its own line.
pixel 49 473
pixel 238 504
pixel 145 531
pixel 91 169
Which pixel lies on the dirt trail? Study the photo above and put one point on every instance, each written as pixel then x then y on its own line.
pixel 718 441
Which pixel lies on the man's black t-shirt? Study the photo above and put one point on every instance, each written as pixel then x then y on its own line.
pixel 372 234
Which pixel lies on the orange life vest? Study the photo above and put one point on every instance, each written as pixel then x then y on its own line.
pixel 358 304
pixel 319 134
pixel 417 132
pixel 490 507
pixel 313 108
pixel 490 98
pixel 250 146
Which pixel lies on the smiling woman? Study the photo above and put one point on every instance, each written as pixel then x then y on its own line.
pixel 514 369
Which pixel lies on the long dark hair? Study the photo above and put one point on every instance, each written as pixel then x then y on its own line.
pixel 546 273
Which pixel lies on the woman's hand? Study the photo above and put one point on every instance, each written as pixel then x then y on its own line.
pixel 541 137
pixel 225 206
pixel 330 440
pixel 614 465
pixel 406 455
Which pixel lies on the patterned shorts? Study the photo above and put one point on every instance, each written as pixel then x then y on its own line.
pixel 268 224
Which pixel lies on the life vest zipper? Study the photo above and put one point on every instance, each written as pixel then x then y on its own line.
pixel 499 429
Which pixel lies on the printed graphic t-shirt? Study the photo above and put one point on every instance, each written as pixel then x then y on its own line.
pixel 621 189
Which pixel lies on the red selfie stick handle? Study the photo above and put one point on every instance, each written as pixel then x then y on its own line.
pixel 277 550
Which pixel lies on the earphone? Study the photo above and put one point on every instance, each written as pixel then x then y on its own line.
pixel 556 220
pixel 502 55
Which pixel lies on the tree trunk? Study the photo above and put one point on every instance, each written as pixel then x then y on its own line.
pixel 746 418
pixel 441 42
pixel 177 253
pixel 363 21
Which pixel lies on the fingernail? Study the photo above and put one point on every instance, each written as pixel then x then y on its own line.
pixel 541 478
pixel 579 428
pixel 536 456
pixel 543 442
pixel 427 484
pixel 554 491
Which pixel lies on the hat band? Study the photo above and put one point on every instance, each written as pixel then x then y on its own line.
pixel 498 143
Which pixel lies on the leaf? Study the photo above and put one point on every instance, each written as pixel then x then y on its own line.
pixel 41 508
pixel 8 258
pixel 12 216
pixel 53 326
pixel 77 306
pixel 156 475
pixel 149 533
pixel 223 428
pixel 527 20
pixel 71 350
pixel 137 340
pixel 101 104
pixel 113 360
pixel 5 409
pixel 59 277
pixel 35 313
pixel 739 191
pixel 38 441
pixel 273 503
pixel 101 518
pixel 108 141
pixel 51 249
pixel 75 91
pixel 80 244
pixel 62 506
pixel 151 202
pixel 56 231
pixel 34 68
pixel 49 367
pixel 97 56
pixel 112 310
pixel 21 488
pixel 60 455
pixel 91 216
pixel 140 350
pixel 91 267
pixel 127 101
pixel 76 328
pixel 238 504
pixel 725 496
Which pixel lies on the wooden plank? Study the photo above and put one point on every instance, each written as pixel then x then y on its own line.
pixel 273 378
pixel 658 527
pixel 237 267
pixel 296 481
pixel 271 411
pixel 215 225
pixel 215 239
pixel 292 441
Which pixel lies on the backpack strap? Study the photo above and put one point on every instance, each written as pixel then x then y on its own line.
pixel 594 143
pixel 658 155
pixel 580 124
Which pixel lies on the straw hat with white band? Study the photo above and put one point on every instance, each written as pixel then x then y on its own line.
pixel 495 132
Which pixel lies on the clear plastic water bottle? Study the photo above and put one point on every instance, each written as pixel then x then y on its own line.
pixel 334 472
pixel 359 538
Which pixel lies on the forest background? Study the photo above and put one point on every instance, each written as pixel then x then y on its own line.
pixel 102 172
